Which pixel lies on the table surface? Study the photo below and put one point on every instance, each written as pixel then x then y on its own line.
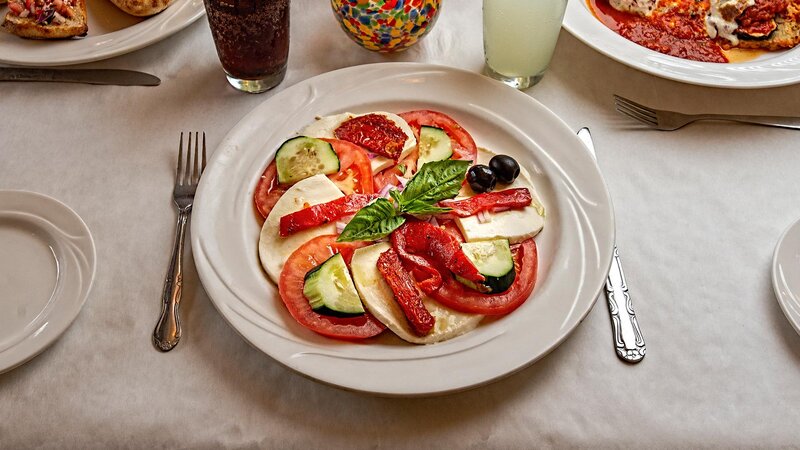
pixel 698 214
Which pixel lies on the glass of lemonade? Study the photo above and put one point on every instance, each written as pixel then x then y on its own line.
pixel 252 40
pixel 519 37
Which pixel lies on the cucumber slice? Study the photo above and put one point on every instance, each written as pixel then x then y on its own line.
pixel 434 145
pixel 494 261
pixel 301 157
pixel 330 289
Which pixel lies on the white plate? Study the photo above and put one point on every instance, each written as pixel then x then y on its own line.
pixel 575 247
pixel 111 33
pixel 786 274
pixel 769 70
pixel 46 271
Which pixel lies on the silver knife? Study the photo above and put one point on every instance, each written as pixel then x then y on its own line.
pixel 89 76
pixel 628 339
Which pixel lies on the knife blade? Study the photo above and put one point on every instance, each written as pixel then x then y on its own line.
pixel 628 339
pixel 89 76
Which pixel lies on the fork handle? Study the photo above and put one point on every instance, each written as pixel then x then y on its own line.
pixel 771 121
pixel 628 339
pixel 168 329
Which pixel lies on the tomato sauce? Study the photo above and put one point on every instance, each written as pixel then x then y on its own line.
pixel 679 31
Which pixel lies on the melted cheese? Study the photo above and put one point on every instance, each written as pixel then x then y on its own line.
pixel 640 7
pixel 721 18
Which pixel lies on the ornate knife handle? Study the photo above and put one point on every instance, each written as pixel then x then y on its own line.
pixel 628 339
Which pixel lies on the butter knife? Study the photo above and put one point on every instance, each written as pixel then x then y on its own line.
pixel 89 76
pixel 628 340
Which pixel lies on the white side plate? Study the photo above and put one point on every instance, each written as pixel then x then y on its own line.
pixel 769 70
pixel 786 274
pixel 111 33
pixel 47 266
pixel 574 249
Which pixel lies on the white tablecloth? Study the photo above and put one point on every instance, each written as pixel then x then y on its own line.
pixel 698 214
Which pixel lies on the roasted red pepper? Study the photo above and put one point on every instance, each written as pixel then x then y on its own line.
pixel 489 201
pixel 422 245
pixel 461 298
pixel 323 213
pixel 405 292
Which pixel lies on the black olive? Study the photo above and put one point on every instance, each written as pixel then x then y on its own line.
pixel 481 178
pixel 505 168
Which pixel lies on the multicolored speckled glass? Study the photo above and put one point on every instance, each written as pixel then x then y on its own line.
pixel 386 25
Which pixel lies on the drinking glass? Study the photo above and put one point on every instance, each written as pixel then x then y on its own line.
pixel 519 37
pixel 252 40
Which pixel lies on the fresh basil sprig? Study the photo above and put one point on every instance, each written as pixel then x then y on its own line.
pixel 420 208
pixel 373 221
pixel 435 181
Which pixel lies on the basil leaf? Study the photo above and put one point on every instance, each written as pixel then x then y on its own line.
pixel 435 181
pixel 423 209
pixel 396 196
pixel 373 221
pixel 416 206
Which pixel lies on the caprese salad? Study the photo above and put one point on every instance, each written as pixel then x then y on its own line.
pixel 398 221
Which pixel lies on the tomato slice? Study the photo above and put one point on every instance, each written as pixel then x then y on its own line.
pixel 461 298
pixel 463 145
pixel 406 167
pixel 354 176
pixel 355 171
pixel 268 191
pixel 310 255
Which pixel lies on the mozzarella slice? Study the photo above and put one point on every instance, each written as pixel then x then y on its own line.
pixel 379 299
pixel 516 225
pixel 324 127
pixel 274 250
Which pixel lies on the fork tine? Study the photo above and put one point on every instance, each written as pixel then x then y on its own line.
pixel 179 170
pixel 636 115
pixel 187 174
pixel 622 99
pixel 633 109
pixel 203 165
pixel 635 106
pixel 195 170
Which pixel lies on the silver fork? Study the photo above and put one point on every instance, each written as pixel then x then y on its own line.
pixel 670 120
pixel 168 329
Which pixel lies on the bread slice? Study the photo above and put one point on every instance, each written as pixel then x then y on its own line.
pixel 26 27
pixel 142 8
